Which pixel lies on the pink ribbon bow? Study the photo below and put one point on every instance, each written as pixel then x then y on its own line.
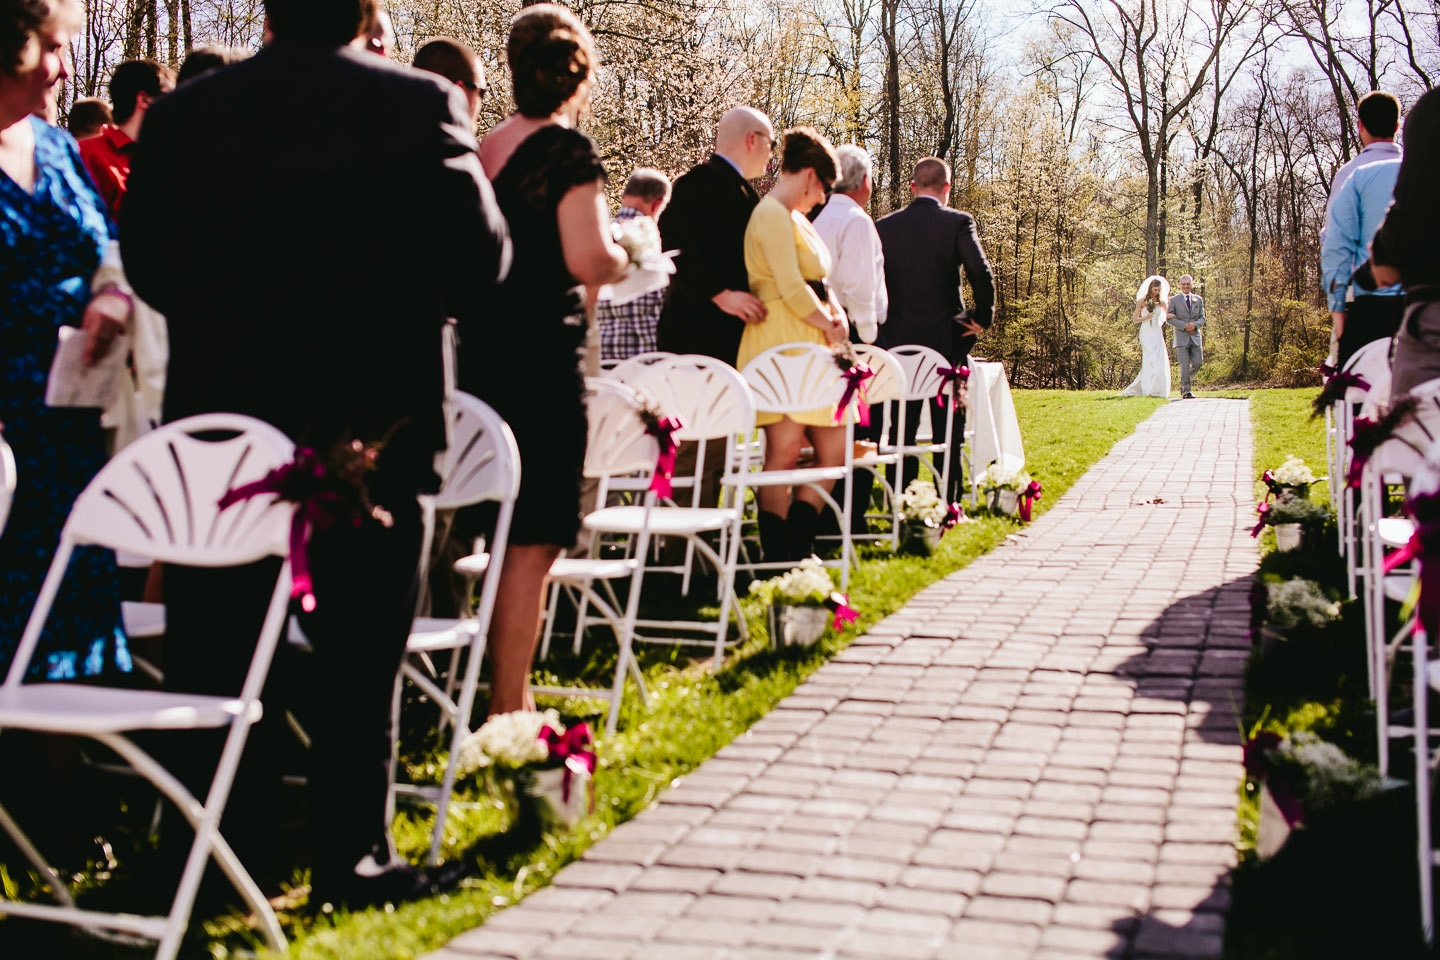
pixel 1423 544
pixel 306 482
pixel 844 613
pixel 663 430
pixel 575 748
pixel 1262 510
pixel 950 380
pixel 1028 498
pixel 1366 435
pixel 855 376
pixel 954 513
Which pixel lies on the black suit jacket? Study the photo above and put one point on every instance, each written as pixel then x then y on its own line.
pixel 709 209
pixel 307 220
pixel 926 245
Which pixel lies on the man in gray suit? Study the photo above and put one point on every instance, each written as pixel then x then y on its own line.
pixel 1186 314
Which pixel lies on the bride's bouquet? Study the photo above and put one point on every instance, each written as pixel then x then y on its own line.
pixel 650 267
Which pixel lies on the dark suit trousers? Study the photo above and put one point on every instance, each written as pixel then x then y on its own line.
pixel 365 588
pixel 1369 318
pixel 956 487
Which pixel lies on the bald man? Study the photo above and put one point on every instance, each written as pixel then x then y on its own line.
pixel 709 300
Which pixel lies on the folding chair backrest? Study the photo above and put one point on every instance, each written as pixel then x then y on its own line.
pixel 631 367
pixel 482 462
pixel 7 481
pixel 1405 451
pixel 160 496
pixel 888 383
pixel 708 396
pixel 921 366
pixel 617 441
pixel 795 377
pixel 1372 362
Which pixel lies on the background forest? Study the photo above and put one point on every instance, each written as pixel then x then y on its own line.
pixel 1096 141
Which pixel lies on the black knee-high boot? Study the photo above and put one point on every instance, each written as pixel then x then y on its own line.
pixel 773 546
pixel 800 529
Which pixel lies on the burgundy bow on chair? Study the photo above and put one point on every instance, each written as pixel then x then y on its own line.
pixel 1028 498
pixel 844 613
pixel 574 748
pixel 951 379
pixel 663 430
pixel 954 514
pixel 855 376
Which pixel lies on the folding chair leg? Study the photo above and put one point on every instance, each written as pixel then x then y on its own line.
pixel 1422 785
pixel 58 889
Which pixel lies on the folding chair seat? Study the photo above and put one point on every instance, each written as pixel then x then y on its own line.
pixel 794 378
pixel 713 404
pixel 618 443
pixel 481 464
pixel 160 497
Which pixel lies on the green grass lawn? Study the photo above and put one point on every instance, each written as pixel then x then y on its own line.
pixel 693 713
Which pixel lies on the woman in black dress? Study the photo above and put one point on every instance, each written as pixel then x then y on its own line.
pixel 525 362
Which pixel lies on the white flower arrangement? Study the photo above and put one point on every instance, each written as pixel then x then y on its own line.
pixel 921 503
pixel 996 477
pixel 808 585
pixel 508 740
pixel 650 267
pixel 1293 473
pixel 639 237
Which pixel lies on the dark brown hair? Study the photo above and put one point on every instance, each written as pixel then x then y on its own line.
pixel 451 59
pixel 551 55
pixel 20 24
pixel 87 116
pixel 319 21
pixel 1379 114
pixel 804 147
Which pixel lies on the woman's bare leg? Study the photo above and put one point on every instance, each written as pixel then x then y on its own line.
pixel 515 627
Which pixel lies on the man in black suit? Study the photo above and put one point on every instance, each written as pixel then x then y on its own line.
pixel 709 300
pixel 356 220
pixel 926 246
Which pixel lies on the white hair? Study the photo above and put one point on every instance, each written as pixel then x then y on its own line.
pixel 855 164
pixel 1186 278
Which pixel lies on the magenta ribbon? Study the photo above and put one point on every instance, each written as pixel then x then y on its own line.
pixel 1348 380
pixel 954 513
pixel 1259 767
pixel 844 613
pixel 1423 544
pixel 574 748
pixel 302 482
pixel 663 430
pixel 855 378
pixel 951 378
pixel 1262 510
pixel 1028 498
pixel 1366 435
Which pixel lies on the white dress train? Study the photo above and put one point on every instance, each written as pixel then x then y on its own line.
pixel 1154 378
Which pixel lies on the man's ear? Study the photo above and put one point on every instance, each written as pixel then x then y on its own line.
pixel 143 101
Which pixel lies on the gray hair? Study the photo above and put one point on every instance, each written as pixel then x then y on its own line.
pixel 1186 278
pixel 648 184
pixel 854 165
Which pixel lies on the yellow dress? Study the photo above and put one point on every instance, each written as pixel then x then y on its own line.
pixel 782 252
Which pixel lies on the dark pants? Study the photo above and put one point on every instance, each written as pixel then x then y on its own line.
pixel 365 589
pixel 956 486
pixel 1368 319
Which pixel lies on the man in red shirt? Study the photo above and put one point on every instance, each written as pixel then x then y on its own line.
pixel 134 86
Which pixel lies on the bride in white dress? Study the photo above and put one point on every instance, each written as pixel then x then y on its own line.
pixel 1150 305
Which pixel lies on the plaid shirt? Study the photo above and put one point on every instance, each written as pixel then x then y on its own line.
pixel 628 329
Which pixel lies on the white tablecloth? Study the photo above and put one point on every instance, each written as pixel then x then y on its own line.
pixel 992 418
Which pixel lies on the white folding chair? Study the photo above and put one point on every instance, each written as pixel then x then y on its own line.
pixel 920 367
pixel 160 497
pixel 1426 482
pixel 617 444
pixel 628 369
pixel 795 378
pixel 1372 362
pixel 714 405
pixel 481 464
pixel 7 481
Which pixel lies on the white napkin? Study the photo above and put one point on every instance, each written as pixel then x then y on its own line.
pixel 72 384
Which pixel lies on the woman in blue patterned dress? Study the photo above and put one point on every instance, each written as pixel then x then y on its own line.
pixel 53 232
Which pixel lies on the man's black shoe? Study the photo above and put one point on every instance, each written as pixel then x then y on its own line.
pixel 1187 396
pixel 398 884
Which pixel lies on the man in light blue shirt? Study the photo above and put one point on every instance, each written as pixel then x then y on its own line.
pixel 1355 211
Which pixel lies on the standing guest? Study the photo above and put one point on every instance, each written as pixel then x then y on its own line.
pixel 1406 248
pixel 134 87
pixel 788 263
pixel 550 184
pixel 1358 315
pixel 628 329
pixel 1377 117
pixel 451 59
pixel 53 232
pixel 204 59
pixel 709 299
pixel 927 247
pixel 282 316
pixel 87 116
pixel 857 279
pixel 1186 314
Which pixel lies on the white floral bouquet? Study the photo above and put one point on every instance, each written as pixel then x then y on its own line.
pixel 544 761
pixel 650 267
pixel 921 503
pixel 808 585
pixel 1293 473
pixel 997 477
pixel 509 740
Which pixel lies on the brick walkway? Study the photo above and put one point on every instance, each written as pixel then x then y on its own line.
pixel 1036 758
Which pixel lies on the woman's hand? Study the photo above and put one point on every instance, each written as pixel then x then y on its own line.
pixel 106 317
pixel 837 332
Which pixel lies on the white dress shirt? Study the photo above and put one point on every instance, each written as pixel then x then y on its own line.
pixel 857 265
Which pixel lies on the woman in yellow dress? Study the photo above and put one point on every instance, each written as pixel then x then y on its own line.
pixel 788 264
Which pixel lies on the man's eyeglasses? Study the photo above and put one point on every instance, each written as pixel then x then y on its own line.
pixel 771 139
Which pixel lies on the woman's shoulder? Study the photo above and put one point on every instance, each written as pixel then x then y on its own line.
pixel 52 143
pixel 769 212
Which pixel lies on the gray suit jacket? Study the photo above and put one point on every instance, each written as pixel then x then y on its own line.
pixel 1179 313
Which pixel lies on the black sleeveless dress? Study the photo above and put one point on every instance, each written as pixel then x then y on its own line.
pixel 526 364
